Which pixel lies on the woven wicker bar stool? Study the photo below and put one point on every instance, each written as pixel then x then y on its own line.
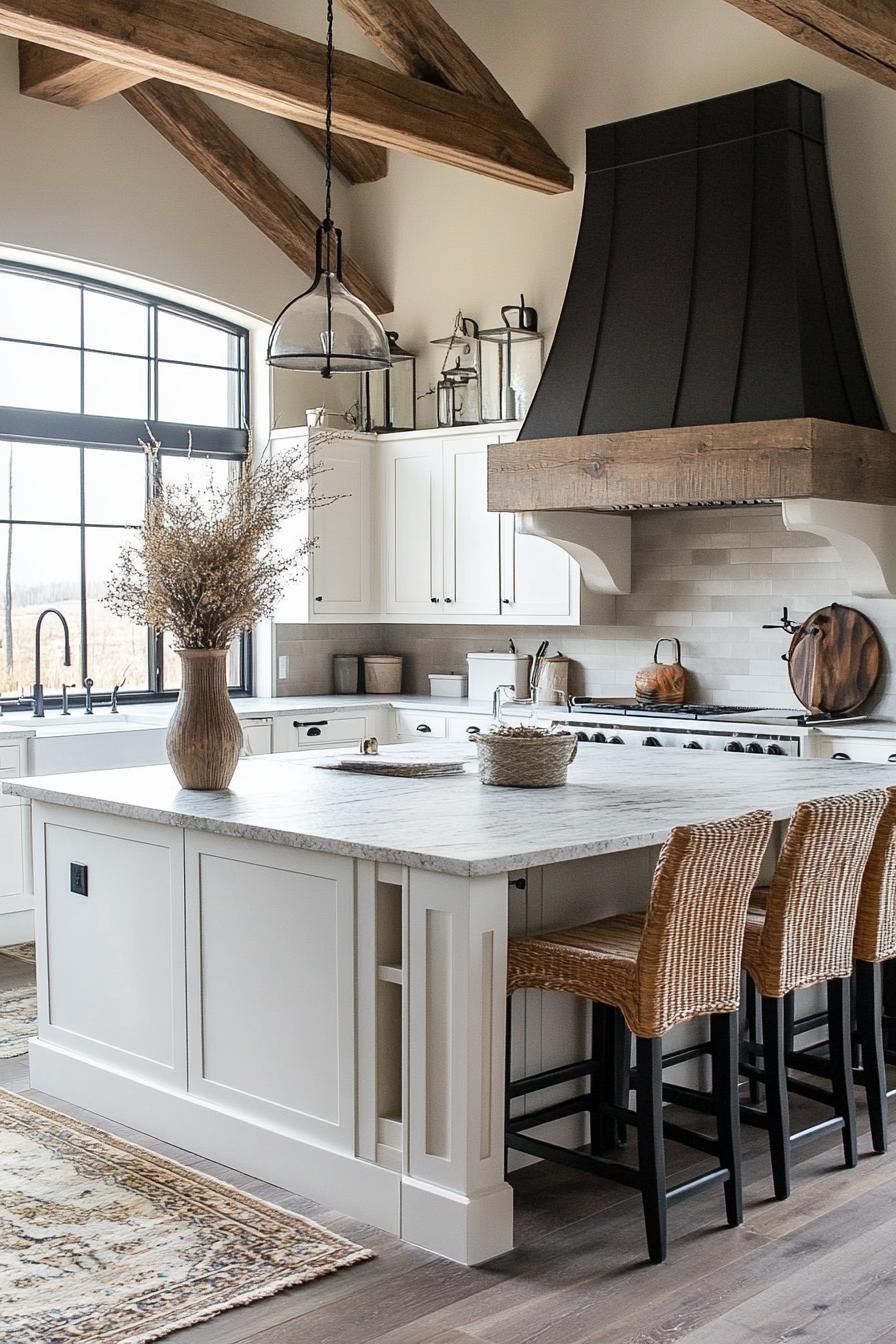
pixel 679 960
pixel 799 933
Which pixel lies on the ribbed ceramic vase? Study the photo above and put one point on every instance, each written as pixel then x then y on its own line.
pixel 205 739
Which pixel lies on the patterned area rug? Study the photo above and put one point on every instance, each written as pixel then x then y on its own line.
pixel 102 1242
pixel 18 1020
pixel 21 951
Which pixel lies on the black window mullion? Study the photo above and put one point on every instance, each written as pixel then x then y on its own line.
pixel 83 529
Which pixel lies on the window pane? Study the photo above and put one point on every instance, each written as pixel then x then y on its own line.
pixel 172 664
pixel 114 486
pixel 196 342
pixel 196 471
pixel 39 567
pixel 116 649
pixel 40 481
pixel 39 310
pixel 194 396
pixel 40 377
pixel 116 385
pixel 115 324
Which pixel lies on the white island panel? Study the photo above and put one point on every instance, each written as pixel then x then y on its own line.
pixel 270 958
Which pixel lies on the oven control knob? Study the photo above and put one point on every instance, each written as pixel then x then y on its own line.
pixel 582 737
pixel 775 750
pixel 617 742
pixel 651 742
pixel 755 748
pixel 734 746
pixel 693 746
pixel 598 737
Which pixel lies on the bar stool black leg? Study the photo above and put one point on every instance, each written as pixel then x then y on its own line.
pixel 651 1152
pixel 840 1037
pixel 723 1029
pixel 508 1040
pixel 869 1009
pixel 597 1125
pixel 888 990
pixel 777 1103
pixel 751 1001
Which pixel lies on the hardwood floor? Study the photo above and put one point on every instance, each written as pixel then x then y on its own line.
pixel 819 1268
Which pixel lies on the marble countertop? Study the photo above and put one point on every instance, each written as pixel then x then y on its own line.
pixel 614 801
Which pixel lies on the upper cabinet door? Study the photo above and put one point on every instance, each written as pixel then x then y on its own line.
pixel 412 498
pixel 471 564
pixel 538 578
pixel 341 568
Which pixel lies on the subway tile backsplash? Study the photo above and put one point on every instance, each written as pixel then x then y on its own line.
pixel 710 577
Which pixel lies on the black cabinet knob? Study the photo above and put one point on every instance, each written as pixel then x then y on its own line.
pixel 448 600
pixel 318 599
pixel 506 601
pixel 434 599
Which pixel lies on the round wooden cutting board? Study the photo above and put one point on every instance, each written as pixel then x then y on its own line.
pixel 834 660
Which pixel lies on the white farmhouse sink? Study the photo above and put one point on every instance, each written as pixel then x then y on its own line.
pixel 63 746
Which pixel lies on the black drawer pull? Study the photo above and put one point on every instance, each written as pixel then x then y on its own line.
pixel 310 723
pixel 423 728
pixel 474 728
pixel 314 732
pixel 840 756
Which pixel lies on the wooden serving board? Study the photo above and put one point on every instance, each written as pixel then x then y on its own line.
pixel 834 661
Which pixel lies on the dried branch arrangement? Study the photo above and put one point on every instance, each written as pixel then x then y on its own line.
pixel 209 559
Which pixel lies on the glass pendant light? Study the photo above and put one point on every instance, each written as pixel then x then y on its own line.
pixel 327 329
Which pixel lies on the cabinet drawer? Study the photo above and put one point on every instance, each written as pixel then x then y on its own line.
pixel 309 734
pixel 875 750
pixel 462 727
pixel 414 726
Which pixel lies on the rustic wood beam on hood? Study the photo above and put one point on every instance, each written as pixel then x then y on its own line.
pixel 860 34
pixel 75 81
pixel 198 133
pixel 185 42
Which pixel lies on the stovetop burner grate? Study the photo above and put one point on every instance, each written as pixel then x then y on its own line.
pixel 634 708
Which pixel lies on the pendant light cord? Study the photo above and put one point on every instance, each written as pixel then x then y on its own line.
pixel 328 124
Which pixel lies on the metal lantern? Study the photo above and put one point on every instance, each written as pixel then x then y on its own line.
pixel 511 363
pixel 458 391
pixel 387 398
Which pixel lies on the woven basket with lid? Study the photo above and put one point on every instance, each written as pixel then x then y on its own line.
pixel 525 762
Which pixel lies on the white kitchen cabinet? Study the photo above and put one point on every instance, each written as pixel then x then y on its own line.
pixel 317 732
pixel 342 575
pixel 16 897
pixel 538 579
pixel 471 558
pixel 257 737
pixel 416 726
pixel 341 578
pixel 411 474
pixel 462 726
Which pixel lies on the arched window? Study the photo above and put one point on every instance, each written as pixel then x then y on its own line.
pixel 84 368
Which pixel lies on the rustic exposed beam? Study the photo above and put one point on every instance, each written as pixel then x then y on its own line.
pixel 419 42
pixel 189 42
pixel 860 34
pixel 198 133
pixel 356 160
pixel 75 81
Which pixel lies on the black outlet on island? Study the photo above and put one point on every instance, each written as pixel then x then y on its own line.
pixel 78 879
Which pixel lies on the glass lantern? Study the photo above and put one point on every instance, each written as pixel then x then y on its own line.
pixel 458 391
pixel 387 398
pixel 512 358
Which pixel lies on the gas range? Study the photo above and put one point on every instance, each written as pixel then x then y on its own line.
pixel 740 730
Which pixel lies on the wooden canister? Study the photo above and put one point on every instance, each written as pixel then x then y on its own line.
pixel 662 683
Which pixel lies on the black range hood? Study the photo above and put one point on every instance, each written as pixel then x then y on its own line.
pixel 708 285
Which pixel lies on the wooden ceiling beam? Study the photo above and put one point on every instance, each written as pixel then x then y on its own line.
pixel 860 34
pixel 190 125
pixel 186 42
pixel 419 42
pixel 74 81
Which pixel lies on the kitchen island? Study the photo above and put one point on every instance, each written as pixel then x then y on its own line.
pixel 303 976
